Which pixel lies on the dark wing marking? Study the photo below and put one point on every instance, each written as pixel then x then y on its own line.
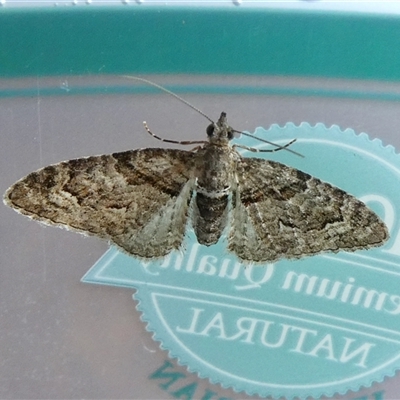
pixel 135 198
pixel 280 212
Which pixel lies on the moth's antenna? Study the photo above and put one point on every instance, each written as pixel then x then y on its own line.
pixel 271 143
pixel 170 93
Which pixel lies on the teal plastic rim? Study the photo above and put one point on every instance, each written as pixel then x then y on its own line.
pixel 152 40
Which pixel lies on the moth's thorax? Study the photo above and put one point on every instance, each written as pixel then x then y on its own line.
pixel 215 167
pixel 222 140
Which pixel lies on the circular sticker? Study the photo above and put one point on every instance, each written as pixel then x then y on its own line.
pixel 313 326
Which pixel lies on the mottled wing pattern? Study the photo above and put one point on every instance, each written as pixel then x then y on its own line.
pixel 137 199
pixel 280 212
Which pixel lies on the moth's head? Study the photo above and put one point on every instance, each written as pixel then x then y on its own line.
pixel 220 131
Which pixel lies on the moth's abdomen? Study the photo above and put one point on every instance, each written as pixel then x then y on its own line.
pixel 209 217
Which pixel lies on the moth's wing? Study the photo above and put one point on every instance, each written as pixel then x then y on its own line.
pixel 281 212
pixel 138 199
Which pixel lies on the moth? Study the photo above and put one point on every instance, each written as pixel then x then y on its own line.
pixel 144 200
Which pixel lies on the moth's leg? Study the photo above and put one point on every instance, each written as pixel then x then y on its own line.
pixel 197 148
pixel 184 142
pixel 254 150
